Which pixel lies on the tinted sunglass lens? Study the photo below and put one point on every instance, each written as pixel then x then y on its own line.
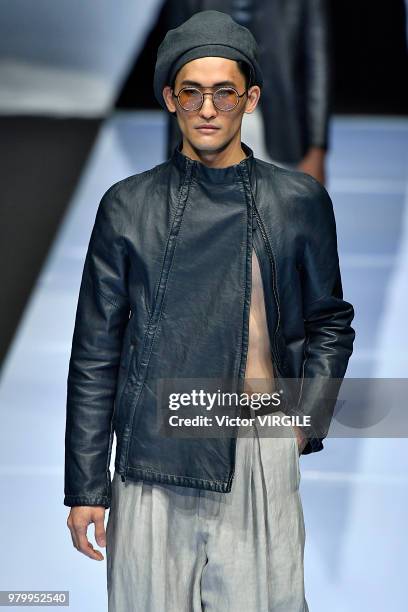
pixel 225 99
pixel 190 99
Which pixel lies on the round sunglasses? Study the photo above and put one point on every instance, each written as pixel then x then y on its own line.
pixel 224 98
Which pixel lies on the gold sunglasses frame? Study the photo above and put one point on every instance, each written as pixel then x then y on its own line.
pixel 208 93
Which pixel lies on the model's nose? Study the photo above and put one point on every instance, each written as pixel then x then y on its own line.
pixel 208 109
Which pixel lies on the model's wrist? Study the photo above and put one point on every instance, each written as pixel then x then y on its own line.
pixel 300 437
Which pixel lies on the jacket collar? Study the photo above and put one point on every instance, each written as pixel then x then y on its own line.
pixel 207 174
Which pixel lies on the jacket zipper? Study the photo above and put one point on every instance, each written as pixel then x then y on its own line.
pixel 158 305
pixel 255 212
pixel 272 260
pixel 275 351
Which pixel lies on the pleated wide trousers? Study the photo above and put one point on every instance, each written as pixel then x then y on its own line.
pixel 180 549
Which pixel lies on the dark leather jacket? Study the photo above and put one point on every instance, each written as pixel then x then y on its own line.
pixel 165 292
pixel 295 55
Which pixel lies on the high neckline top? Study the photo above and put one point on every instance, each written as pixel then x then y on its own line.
pixel 207 174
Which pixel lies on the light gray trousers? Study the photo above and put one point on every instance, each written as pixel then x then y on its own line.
pixel 180 549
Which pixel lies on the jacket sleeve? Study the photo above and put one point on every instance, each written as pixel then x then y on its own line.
pixel 101 316
pixel 327 317
pixel 318 71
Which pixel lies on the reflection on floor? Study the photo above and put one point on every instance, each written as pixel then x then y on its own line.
pixel 354 492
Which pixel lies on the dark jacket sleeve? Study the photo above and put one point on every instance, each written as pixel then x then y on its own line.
pixel 327 318
pixel 318 55
pixel 101 316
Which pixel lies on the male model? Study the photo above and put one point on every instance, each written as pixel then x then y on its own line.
pixel 212 266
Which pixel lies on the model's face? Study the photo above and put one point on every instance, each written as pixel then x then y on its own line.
pixel 208 73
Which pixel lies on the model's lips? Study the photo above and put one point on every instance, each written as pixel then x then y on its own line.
pixel 207 128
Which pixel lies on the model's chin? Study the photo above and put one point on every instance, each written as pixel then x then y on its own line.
pixel 206 140
pixel 207 137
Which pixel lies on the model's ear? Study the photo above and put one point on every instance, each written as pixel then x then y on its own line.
pixel 254 93
pixel 169 99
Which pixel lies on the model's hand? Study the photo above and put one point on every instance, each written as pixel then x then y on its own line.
pixel 313 163
pixel 301 438
pixel 78 521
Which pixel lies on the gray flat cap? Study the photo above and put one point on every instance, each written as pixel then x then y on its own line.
pixel 205 34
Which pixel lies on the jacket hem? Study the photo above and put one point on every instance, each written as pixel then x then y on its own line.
pixel 184 481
